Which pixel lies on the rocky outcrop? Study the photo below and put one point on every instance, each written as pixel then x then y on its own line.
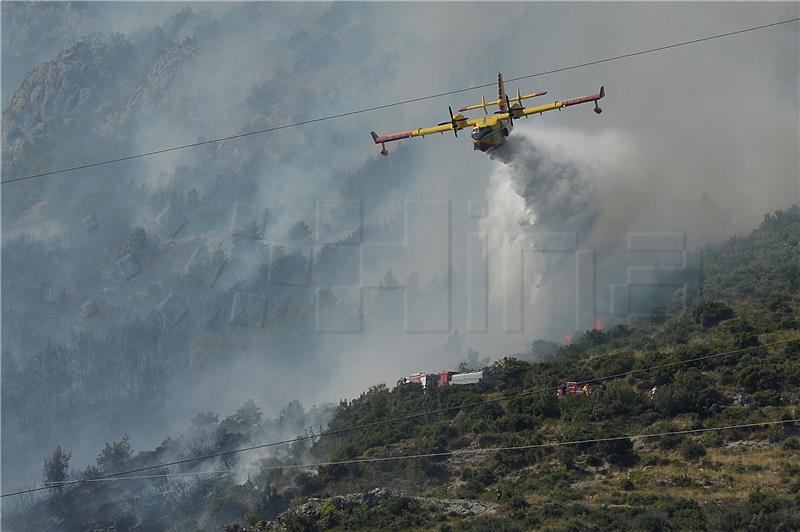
pixel 452 507
pixel 63 93
pixel 97 87
pixel 34 32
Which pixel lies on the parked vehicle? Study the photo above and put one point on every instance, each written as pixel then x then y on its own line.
pixel 467 378
pixel 446 378
pixel 574 387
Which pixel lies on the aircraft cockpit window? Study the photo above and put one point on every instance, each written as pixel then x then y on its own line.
pixel 479 133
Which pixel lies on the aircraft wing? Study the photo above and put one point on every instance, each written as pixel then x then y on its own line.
pixel 558 104
pixel 458 123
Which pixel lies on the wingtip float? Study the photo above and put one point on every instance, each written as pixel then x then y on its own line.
pixel 490 131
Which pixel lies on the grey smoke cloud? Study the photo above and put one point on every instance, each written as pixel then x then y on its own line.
pixel 557 192
pixel 700 140
pixel 545 205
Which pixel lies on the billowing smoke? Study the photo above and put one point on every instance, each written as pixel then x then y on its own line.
pixel 549 195
pixel 542 186
pixel 556 187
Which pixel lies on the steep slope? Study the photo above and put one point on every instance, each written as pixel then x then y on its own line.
pixel 732 479
pixel 742 478
pixel 119 282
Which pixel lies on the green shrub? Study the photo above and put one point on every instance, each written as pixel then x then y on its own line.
pixel 758 376
pixel 690 391
pixel 710 313
pixel 767 398
pixel 619 452
pixel 692 450
pixel 542 405
pixel 792 443
pixel 711 439
pixel 617 399
pixel 669 441
pixel 776 433
pixel 594 460
pixel 677 330
pixel 298 523
pixel 517 502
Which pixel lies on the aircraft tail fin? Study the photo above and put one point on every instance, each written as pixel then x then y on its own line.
pixel 501 93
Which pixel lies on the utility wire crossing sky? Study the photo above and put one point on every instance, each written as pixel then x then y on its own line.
pixel 395 104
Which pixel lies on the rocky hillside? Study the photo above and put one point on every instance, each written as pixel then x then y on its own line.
pixel 104 88
pixel 120 281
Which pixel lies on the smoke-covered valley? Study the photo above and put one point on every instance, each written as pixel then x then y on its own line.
pixel 301 265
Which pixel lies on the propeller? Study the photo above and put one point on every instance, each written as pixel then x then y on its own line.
pixel 453 121
pixel 510 111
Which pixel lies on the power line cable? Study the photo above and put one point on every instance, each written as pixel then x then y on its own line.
pixel 408 417
pixel 60 483
pixel 458 452
pixel 530 446
pixel 395 104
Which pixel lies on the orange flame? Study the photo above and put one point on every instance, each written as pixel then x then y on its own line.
pixel 598 324
pixel 567 338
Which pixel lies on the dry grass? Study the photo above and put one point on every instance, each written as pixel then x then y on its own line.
pixel 724 473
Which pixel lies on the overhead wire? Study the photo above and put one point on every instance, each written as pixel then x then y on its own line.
pixel 398 103
pixel 409 417
pixel 458 452
pixel 60 483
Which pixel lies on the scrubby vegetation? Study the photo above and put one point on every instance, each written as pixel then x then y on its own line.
pixel 743 478
pixel 733 479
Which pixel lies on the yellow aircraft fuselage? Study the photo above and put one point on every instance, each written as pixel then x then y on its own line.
pixel 490 132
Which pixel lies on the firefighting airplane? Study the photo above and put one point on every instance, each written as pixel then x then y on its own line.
pixel 490 132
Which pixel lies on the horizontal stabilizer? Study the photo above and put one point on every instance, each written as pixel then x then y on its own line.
pixel 518 98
